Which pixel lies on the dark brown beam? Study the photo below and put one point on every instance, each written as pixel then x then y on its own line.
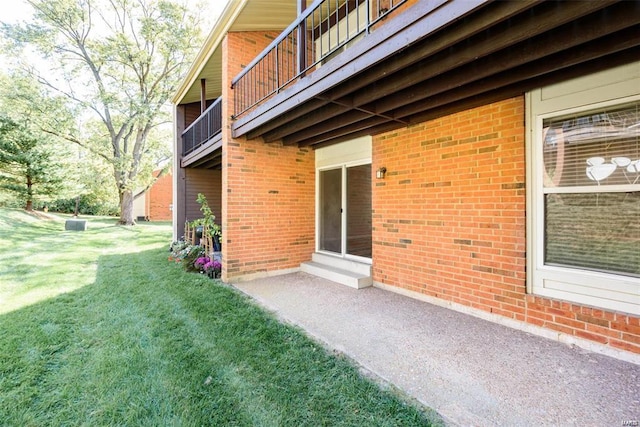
pixel 302 37
pixel 354 127
pixel 303 109
pixel 309 119
pixel 369 111
pixel 384 127
pixel 507 34
pixel 623 40
pixel 204 160
pixel 520 87
pixel 564 38
pixel 203 95
pixel 462 105
pixel 326 113
pixel 335 123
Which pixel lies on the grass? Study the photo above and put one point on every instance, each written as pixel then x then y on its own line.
pixel 98 328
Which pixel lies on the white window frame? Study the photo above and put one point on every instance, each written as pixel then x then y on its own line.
pixel 598 289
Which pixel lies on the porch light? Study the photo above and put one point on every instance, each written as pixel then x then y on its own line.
pixel 381 172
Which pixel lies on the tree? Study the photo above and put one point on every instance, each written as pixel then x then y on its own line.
pixel 25 102
pixel 116 62
pixel 27 167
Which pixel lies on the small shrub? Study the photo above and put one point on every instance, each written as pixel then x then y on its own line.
pixel 208 218
pixel 191 254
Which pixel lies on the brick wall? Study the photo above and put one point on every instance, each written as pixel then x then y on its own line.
pixel 268 202
pixel 449 222
pixel 244 47
pixel 378 5
pixel 159 199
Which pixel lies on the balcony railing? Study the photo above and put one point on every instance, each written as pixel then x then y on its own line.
pixel 322 30
pixel 208 125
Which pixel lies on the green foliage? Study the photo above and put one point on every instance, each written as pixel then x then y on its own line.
pixel 84 174
pixel 208 218
pixel 115 63
pixel 87 205
pixel 27 166
pixel 185 254
pixel 193 253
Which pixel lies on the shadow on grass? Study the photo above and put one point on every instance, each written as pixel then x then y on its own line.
pixel 40 260
pixel 148 344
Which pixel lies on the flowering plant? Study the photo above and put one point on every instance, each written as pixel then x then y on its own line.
pixel 213 268
pixel 208 266
pixel 201 262
pixel 178 250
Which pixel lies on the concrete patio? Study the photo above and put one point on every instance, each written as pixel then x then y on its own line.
pixel 471 371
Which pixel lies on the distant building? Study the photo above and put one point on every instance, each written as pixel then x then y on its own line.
pixel 155 203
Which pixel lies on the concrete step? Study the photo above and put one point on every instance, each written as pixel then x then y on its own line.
pixel 342 263
pixel 335 274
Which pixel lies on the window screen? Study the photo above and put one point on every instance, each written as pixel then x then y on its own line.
pixel 591 185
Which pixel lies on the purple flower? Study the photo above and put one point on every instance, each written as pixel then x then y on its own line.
pixel 212 266
pixel 201 262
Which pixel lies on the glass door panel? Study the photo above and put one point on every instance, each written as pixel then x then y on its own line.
pixel 331 210
pixel 359 211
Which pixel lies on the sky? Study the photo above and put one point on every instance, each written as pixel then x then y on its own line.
pixel 14 11
pixel 18 11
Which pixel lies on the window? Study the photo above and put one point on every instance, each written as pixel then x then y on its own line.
pixel 591 190
pixel 584 193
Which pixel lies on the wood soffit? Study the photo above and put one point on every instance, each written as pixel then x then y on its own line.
pixel 500 50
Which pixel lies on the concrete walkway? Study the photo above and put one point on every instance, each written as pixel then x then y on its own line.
pixel 472 372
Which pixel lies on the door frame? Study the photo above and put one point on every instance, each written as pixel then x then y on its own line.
pixel 343 166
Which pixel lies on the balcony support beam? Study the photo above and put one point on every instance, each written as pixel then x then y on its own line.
pixel 514 33
pixel 203 95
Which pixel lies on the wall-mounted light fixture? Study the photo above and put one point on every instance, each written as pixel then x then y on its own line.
pixel 380 173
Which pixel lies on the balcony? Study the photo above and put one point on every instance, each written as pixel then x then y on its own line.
pixel 202 140
pixel 342 70
pixel 324 29
pixel 203 129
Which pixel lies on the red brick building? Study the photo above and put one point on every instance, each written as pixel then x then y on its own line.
pixel 155 204
pixel 484 156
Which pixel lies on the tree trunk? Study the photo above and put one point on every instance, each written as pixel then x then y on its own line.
pixel 29 206
pixel 126 208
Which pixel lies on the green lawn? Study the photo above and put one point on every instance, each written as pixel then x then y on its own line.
pixel 98 328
